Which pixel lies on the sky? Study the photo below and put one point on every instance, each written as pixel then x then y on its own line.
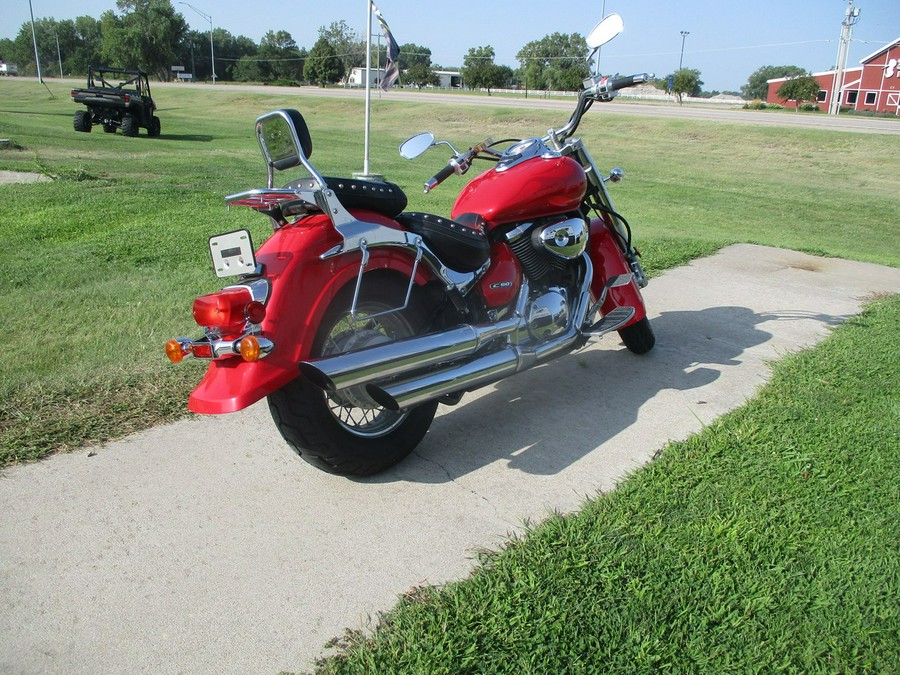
pixel 727 40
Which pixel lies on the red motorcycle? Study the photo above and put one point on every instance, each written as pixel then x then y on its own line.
pixel 356 318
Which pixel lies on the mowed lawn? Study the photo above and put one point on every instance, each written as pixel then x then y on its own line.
pixel 105 260
pixel 769 542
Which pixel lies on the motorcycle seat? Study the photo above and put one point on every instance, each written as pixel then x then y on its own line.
pixel 461 244
pixel 382 197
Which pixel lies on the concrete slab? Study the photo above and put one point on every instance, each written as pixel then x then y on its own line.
pixel 207 546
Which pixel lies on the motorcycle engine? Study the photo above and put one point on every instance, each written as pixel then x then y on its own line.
pixel 541 247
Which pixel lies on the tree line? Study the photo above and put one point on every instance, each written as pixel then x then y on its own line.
pixel 153 36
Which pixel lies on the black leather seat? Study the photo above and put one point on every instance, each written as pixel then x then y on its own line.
pixel 461 244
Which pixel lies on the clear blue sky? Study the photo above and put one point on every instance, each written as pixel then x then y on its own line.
pixel 728 40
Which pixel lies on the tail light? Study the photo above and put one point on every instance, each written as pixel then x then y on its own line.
pixel 226 309
pixel 127 99
pixel 230 319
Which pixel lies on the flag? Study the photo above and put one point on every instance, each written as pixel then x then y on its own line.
pixel 391 71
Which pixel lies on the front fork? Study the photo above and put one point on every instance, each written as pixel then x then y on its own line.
pixel 597 188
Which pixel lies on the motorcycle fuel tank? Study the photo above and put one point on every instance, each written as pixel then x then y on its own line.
pixel 539 187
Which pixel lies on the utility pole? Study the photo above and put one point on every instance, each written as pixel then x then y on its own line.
pixel 684 35
pixel 37 58
pixel 212 51
pixel 851 17
pixel 59 56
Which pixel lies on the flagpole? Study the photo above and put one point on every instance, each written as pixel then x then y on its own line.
pixel 368 84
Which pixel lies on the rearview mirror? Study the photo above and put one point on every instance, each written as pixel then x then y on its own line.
pixel 414 146
pixel 605 31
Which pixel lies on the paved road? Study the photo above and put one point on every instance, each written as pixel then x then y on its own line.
pixel 709 112
pixel 206 546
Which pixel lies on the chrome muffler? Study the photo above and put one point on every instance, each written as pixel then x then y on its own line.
pixel 482 370
pixel 403 356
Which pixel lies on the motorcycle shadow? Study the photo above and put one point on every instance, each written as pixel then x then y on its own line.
pixel 543 420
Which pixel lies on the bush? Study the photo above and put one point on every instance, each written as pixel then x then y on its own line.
pixel 762 105
pixel 809 107
pixel 868 113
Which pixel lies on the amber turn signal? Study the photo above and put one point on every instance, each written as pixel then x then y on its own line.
pixel 174 351
pixel 250 350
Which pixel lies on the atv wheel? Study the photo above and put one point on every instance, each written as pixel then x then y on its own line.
pixel 154 128
pixel 82 121
pixel 346 432
pixel 129 126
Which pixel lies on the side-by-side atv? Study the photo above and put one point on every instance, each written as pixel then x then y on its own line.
pixel 116 99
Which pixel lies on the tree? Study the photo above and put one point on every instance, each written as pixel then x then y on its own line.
pixel 686 81
pixel 281 58
pixel 348 46
pixel 250 69
pixel 801 88
pixel 420 75
pixel 323 65
pixel 87 47
pixel 146 36
pixel 194 53
pixel 480 72
pixel 556 61
pixel 23 47
pixel 412 54
pixel 757 86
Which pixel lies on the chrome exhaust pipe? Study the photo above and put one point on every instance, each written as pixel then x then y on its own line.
pixel 352 369
pixel 485 369
pixel 477 373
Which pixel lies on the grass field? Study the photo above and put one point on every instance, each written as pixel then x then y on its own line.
pixel 767 543
pixel 105 260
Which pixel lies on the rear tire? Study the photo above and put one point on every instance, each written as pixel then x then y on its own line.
pixel 82 121
pixel 638 337
pixel 345 432
pixel 129 126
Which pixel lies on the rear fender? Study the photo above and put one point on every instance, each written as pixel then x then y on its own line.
pixel 302 287
pixel 609 261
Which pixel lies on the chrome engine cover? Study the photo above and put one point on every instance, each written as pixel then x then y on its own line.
pixel 567 239
pixel 548 314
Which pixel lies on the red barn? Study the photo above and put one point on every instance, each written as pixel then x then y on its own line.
pixel 875 85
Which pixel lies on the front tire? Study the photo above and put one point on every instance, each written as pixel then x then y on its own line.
pixel 345 432
pixel 638 337
pixel 155 127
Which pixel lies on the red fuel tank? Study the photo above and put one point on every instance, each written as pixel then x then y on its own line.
pixel 538 187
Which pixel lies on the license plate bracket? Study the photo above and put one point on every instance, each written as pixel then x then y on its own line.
pixel 232 253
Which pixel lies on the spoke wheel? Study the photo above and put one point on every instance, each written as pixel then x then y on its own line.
pixel 346 432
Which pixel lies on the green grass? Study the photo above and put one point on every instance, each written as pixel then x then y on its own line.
pixel 102 263
pixel 767 543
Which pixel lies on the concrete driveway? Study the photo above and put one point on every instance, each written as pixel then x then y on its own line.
pixel 206 546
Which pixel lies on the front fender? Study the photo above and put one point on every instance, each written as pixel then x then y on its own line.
pixel 302 287
pixel 609 261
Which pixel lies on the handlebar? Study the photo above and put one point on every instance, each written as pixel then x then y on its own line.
pixel 440 177
pixel 604 88
pixel 595 89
